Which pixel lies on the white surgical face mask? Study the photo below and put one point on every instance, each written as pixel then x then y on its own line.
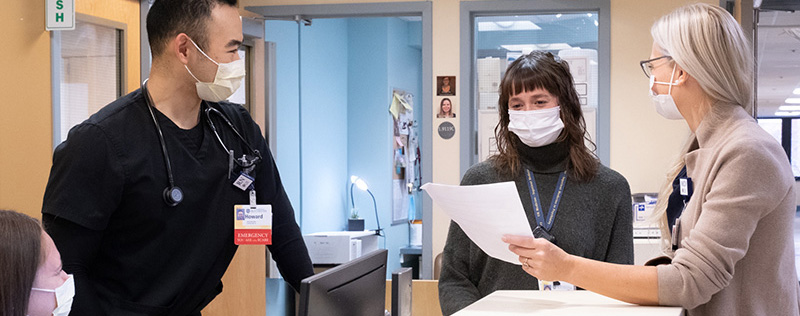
pixel 64 295
pixel 226 81
pixel 664 103
pixel 536 128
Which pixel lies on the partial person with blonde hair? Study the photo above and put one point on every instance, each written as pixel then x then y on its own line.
pixel 732 239
pixel 32 282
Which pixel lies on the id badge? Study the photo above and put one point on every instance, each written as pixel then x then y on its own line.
pixel 540 232
pixel 252 224
pixel 555 286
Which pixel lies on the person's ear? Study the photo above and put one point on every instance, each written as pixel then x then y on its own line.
pixel 180 47
pixel 681 76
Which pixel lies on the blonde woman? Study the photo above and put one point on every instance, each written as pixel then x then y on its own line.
pixel 446 109
pixel 734 249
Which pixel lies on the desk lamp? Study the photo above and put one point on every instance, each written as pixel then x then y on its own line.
pixel 363 186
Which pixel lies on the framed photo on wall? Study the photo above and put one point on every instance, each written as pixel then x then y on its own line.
pixel 447 108
pixel 446 85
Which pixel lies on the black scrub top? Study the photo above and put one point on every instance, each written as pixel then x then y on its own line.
pixel 132 253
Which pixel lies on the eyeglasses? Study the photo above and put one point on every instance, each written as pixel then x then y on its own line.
pixel 647 65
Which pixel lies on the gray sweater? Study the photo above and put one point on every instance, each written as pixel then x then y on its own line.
pixel 593 220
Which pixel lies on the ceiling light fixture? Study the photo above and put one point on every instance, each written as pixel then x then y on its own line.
pixel 787 113
pixel 507 26
pixel 527 48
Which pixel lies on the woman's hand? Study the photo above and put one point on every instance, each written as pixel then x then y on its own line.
pixel 540 258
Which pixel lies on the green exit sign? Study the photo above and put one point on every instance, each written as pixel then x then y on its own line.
pixel 60 15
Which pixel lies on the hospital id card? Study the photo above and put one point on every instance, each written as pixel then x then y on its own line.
pixel 252 224
pixel 555 286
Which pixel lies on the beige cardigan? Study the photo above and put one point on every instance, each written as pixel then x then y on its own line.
pixel 736 254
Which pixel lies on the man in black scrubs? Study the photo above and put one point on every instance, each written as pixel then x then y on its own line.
pixel 141 196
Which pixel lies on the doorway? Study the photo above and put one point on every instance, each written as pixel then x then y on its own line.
pixel 337 70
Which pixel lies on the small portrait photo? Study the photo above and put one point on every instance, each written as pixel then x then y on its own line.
pixel 240 215
pixel 446 109
pixel 446 85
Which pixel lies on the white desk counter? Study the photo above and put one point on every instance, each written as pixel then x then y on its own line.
pixel 554 303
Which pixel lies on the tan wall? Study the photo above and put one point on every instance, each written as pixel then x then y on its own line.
pixel 26 116
pixel 643 145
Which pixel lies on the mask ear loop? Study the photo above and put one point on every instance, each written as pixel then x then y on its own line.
pixel 672 77
pixel 670 83
pixel 191 74
pixel 204 54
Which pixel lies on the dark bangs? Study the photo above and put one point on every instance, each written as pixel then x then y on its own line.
pixel 543 70
pixel 527 78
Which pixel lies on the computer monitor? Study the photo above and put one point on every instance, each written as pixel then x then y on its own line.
pixel 401 292
pixel 355 288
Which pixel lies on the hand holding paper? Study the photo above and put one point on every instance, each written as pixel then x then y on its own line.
pixel 485 213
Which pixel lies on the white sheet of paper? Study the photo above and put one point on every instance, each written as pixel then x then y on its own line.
pixel 485 213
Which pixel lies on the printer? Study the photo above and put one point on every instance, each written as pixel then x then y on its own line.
pixel 339 246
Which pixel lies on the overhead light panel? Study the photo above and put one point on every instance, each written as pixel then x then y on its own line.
pixel 793 101
pixel 796 91
pixel 787 113
pixel 789 108
pixel 527 48
pixel 507 26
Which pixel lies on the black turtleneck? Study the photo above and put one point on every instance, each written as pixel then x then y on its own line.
pixel 551 158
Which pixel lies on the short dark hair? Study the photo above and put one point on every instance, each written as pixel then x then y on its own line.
pixel 168 18
pixel 542 70
pixel 20 256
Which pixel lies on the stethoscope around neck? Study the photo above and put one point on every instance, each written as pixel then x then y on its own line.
pixel 173 195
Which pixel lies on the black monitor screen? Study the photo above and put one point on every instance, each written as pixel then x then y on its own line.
pixel 355 288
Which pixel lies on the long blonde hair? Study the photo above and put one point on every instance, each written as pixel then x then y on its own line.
pixel 707 43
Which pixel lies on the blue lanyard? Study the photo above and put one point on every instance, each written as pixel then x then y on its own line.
pixel 537 205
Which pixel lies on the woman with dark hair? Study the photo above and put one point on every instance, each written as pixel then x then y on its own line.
pixel 445 88
pixel 31 280
pixel 445 109
pixel 541 142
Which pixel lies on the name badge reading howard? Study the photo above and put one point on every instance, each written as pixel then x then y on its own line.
pixel 252 225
